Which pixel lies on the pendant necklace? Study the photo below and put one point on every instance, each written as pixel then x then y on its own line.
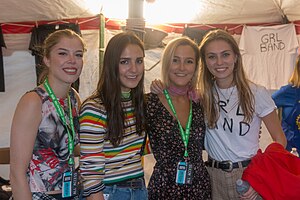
pixel 219 92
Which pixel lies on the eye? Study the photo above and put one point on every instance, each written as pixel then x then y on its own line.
pixel 226 55
pixel 62 53
pixel 190 61
pixel 211 57
pixel 80 55
pixel 140 61
pixel 124 61
pixel 175 60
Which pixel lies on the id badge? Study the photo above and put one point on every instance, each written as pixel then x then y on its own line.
pixel 189 174
pixel 70 182
pixel 181 173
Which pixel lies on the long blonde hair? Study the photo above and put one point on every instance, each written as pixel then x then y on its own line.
pixel 206 80
pixel 295 78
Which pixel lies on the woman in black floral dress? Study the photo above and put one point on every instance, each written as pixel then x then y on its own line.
pixel 179 75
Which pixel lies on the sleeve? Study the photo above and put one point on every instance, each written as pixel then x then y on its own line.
pixel 280 96
pixel 264 104
pixel 92 158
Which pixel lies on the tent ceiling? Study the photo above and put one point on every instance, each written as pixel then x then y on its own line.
pixel 207 12
pixel 39 10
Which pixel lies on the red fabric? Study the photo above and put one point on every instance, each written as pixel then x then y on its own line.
pixel 274 174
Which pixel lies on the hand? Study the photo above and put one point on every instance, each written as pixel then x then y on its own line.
pixel 157 87
pixel 251 194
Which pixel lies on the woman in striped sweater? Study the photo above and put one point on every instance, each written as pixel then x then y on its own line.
pixel 112 124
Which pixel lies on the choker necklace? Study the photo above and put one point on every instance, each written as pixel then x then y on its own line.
pixel 187 90
pixel 219 92
pixel 126 95
pixel 175 91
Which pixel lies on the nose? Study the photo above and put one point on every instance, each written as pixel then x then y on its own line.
pixel 219 61
pixel 182 65
pixel 72 58
pixel 133 67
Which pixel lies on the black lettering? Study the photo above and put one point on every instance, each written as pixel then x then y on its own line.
pixel 281 45
pixel 228 124
pixel 264 39
pixel 222 105
pixel 277 39
pixel 272 37
pixel 239 111
pixel 244 128
pixel 270 47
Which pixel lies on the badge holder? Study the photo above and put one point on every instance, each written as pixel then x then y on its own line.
pixel 184 173
pixel 70 183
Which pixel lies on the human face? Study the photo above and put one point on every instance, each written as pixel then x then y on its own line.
pixel 182 66
pixel 220 59
pixel 65 61
pixel 131 67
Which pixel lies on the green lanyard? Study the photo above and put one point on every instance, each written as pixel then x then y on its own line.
pixel 184 134
pixel 61 115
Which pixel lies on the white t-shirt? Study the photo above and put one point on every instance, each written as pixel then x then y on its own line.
pixel 234 139
pixel 269 54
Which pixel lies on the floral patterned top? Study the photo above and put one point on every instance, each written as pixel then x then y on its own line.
pixel 168 149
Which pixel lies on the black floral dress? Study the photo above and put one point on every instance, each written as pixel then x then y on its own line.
pixel 168 150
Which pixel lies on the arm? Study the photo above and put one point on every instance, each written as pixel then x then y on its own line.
pixel 92 158
pixel 273 125
pixel 24 129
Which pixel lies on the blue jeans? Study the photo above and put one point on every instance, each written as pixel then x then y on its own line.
pixel 125 193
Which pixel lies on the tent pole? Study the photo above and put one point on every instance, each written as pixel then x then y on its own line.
pixel 136 21
pixel 101 42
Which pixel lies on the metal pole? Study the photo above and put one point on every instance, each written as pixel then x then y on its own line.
pixel 136 21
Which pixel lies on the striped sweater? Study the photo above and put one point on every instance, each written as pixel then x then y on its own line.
pixel 100 162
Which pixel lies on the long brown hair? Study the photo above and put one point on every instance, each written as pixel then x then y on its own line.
pixel 109 88
pixel 206 80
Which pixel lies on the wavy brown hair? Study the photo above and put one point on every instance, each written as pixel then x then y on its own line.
pixel 206 82
pixel 109 88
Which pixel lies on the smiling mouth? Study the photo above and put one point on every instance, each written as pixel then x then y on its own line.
pixel 132 77
pixel 221 69
pixel 70 70
pixel 180 74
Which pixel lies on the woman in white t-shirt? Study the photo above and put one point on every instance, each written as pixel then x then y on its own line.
pixel 234 109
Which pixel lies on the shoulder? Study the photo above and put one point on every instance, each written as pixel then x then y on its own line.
pixel 30 104
pixel 257 89
pixel 286 89
pixel 92 105
pixel 31 99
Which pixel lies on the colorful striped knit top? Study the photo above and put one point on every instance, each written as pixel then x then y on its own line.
pixel 100 162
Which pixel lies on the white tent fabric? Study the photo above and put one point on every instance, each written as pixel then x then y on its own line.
pixel 33 10
pixel 206 11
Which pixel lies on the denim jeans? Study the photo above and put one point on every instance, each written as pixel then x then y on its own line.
pixel 123 193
